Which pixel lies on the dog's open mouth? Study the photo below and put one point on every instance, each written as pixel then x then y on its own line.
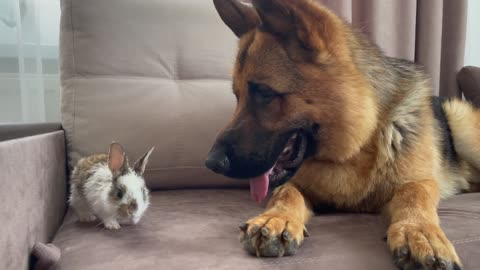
pixel 287 163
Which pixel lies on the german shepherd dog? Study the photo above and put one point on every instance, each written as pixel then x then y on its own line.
pixel 324 114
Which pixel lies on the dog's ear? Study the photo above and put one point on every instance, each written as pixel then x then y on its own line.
pixel 240 17
pixel 302 21
pixel 276 16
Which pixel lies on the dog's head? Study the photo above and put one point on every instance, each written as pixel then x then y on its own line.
pixel 299 92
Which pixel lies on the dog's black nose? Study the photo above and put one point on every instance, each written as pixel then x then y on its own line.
pixel 218 162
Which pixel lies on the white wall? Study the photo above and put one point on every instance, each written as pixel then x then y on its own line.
pixel 472 49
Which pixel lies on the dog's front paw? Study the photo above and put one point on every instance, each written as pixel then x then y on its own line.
pixel 271 236
pixel 421 246
pixel 111 224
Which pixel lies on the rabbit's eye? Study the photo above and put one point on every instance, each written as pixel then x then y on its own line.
pixel 119 194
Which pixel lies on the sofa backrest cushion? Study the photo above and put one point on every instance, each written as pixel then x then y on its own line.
pixel 147 73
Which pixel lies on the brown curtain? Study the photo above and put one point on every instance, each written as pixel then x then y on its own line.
pixel 429 32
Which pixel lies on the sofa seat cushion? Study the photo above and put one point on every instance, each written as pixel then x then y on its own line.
pixel 198 229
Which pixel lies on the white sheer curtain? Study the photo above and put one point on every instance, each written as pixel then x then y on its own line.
pixel 29 80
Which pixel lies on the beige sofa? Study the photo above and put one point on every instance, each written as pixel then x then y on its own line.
pixel 157 73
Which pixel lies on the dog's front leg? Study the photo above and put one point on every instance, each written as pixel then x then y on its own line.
pixel 280 230
pixel 414 236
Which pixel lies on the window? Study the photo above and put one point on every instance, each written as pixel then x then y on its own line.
pixel 29 76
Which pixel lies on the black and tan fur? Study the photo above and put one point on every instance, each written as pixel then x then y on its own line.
pixel 381 142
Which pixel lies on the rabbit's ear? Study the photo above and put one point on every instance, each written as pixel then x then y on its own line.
pixel 141 163
pixel 116 159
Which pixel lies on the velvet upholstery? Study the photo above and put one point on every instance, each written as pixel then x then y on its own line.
pixel 33 191
pixel 15 131
pixel 469 82
pixel 198 229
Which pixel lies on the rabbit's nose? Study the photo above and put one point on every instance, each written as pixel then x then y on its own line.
pixel 133 207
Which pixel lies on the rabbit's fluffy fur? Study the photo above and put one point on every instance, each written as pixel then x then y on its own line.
pixel 105 187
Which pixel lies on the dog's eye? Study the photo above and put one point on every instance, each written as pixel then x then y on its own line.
pixel 261 94
pixel 305 47
pixel 119 194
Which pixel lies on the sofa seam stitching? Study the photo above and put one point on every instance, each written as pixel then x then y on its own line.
pixel 175 168
pixel 135 77
pixel 466 240
pixel 74 62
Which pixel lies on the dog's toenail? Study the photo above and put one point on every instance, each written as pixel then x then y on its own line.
pixel 243 227
pixel 430 260
pixel 456 267
pixel 305 232
pixel 442 264
pixel 286 235
pixel 255 228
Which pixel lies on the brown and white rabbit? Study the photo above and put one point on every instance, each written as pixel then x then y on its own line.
pixel 104 186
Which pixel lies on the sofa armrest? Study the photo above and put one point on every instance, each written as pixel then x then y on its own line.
pixel 469 82
pixel 15 131
pixel 33 183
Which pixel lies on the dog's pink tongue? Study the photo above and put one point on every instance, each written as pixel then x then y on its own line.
pixel 259 186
